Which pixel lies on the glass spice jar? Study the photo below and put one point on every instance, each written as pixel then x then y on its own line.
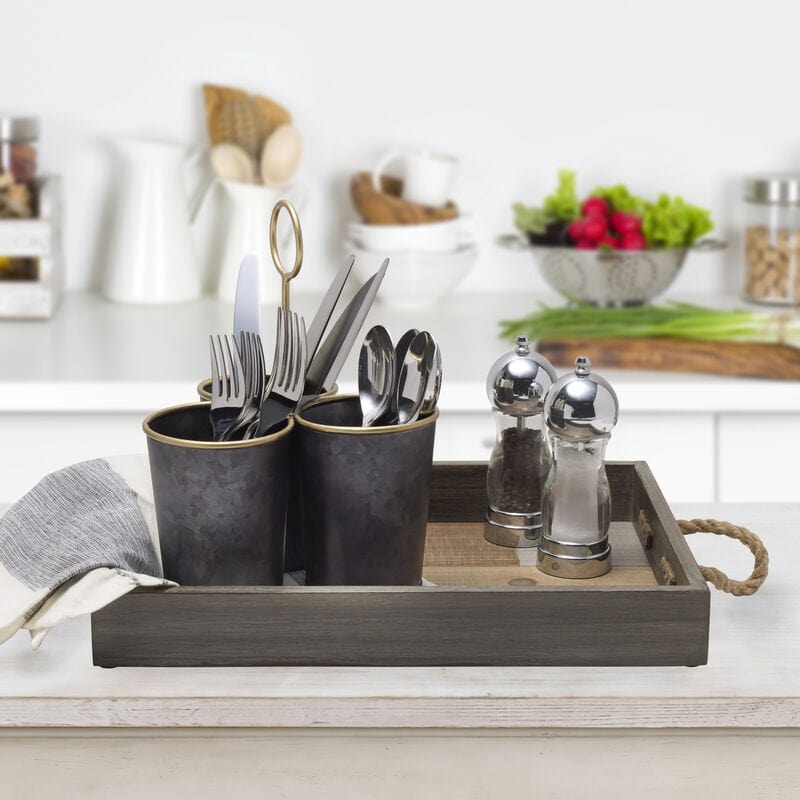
pixel 772 239
pixel 18 151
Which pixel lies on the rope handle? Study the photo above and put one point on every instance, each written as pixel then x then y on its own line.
pixel 753 543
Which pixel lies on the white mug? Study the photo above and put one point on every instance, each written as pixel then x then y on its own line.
pixel 428 177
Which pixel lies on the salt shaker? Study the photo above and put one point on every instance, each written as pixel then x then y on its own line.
pixel 516 387
pixel 580 411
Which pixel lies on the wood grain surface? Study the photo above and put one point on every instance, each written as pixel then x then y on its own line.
pixel 666 354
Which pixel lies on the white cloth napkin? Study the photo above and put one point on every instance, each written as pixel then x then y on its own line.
pixel 82 537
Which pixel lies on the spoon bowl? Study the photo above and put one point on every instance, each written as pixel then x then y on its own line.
pixel 376 375
pixel 231 163
pixel 414 374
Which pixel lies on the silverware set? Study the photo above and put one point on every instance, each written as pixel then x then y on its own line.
pixel 246 401
pixel 398 384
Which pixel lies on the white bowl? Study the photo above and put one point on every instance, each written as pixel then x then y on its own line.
pixel 414 280
pixel 429 237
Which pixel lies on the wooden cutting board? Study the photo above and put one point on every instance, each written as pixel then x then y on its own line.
pixel 666 354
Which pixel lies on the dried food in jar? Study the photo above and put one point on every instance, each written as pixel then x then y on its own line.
pixel 772 258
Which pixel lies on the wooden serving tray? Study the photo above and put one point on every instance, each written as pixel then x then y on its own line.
pixel 490 607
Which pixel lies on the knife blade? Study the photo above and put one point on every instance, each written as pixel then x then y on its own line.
pixel 325 310
pixel 247 305
pixel 331 355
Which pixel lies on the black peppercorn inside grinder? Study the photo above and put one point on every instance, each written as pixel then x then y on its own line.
pixel 516 386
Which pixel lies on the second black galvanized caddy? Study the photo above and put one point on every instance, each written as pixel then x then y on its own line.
pixel 489 606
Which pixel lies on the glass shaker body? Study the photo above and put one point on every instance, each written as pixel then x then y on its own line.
pixel 576 503
pixel 517 466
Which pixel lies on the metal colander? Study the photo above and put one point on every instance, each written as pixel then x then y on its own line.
pixel 608 277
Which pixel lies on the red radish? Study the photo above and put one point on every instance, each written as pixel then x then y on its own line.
pixel 594 228
pixel 624 223
pixel 575 230
pixel 608 241
pixel 586 244
pixel 632 241
pixel 594 205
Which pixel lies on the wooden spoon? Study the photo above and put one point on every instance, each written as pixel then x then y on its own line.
pixel 231 163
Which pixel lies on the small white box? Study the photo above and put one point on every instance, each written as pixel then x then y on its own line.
pixel 35 238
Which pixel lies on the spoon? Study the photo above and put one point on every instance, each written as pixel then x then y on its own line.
pixel 376 375
pixel 281 155
pixel 414 376
pixel 434 384
pixel 400 350
pixel 231 163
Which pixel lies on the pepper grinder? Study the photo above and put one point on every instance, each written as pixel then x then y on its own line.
pixel 516 387
pixel 580 411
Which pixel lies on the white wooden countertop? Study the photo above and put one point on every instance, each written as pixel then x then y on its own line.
pixel 752 679
pixel 98 356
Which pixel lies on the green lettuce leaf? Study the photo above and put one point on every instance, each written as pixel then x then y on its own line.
pixel 672 222
pixel 529 219
pixel 563 204
pixel 619 198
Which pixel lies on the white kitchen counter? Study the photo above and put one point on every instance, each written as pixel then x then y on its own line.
pixel 78 386
pixel 95 355
pixel 426 732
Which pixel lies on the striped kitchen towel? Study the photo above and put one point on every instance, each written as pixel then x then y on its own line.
pixel 81 538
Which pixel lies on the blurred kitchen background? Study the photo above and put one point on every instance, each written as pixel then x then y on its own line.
pixel 687 98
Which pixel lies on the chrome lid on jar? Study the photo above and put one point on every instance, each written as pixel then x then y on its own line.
pixel 581 405
pixel 19 129
pixel 518 381
pixel 778 189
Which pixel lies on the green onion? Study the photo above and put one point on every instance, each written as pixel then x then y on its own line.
pixel 680 320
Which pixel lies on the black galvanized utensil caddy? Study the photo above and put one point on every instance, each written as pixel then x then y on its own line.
pixel 486 609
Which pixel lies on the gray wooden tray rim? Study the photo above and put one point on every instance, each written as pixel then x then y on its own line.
pixel 437 625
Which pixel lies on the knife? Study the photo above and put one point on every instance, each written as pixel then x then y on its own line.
pixel 331 355
pixel 247 305
pixel 325 310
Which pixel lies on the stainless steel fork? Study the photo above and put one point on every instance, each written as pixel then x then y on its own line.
pixel 227 385
pixel 252 355
pixel 288 371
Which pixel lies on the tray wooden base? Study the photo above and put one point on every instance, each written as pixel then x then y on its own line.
pixel 490 607
pixel 456 554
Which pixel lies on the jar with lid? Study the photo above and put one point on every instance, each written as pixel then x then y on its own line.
pixel 516 387
pixel 772 239
pixel 580 411
pixel 18 140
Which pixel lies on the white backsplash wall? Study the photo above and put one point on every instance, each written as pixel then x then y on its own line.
pixel 684 96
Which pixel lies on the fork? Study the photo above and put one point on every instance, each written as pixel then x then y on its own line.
pixel 288 371
pixel 227 385
pixel 252 354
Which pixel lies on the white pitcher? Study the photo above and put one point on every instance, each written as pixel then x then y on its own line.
pixel 248 213
pixel 151 254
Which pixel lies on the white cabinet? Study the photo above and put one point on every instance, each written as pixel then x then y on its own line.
pixel 758 458
pixel 464 436
pixel 679 448
pixel 31 445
